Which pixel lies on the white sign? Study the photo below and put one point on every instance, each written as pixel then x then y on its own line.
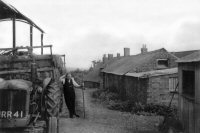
pixel 10 114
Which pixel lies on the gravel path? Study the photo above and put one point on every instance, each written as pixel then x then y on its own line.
pixel 99 119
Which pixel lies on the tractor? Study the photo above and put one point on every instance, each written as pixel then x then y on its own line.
pixel 30 90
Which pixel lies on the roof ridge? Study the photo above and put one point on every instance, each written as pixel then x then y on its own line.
pixel 150 52
pixel 137 57
pixel 184 51
pixel 194 57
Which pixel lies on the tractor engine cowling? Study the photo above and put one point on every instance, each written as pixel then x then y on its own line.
pixel 14 103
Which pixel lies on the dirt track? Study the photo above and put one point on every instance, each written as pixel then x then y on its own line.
pixel 99 119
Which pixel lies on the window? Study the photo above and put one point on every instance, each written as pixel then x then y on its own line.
pixel 188 83
pixel 173 84
pixel 162 63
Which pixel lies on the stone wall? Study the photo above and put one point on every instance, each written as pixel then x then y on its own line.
pixel 158 91
pixel 144 90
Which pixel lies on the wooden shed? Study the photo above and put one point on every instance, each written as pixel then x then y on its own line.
pixel 189 92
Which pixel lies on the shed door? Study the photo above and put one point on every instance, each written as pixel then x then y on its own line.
pixel 188 93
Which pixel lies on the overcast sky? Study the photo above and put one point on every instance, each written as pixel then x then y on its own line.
pixel 84 30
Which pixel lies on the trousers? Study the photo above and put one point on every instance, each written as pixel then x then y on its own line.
pixel 69 95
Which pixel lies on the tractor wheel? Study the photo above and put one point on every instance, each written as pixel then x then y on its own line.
pixel 53 125
pixel 52 99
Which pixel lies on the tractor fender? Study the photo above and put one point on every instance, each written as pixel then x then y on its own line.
pixel 46 82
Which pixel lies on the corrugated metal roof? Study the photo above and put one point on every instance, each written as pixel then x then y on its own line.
pixel 131 63
pixel 154 73
pixel 7 12
pixel 194 57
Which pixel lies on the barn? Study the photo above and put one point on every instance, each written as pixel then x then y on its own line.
pixel 189 92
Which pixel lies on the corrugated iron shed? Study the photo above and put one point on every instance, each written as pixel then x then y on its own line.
pixel 7 12
pixel 131 63
pixel 153 73
pixel 194 57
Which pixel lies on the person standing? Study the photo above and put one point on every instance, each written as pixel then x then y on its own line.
pixel 69 93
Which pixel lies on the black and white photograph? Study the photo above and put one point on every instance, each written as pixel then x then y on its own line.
pixel 99 66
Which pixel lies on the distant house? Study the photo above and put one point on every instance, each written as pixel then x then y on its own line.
pixel 189 92
pixel 93 79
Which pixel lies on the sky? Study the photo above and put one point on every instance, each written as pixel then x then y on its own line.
pixel 84 30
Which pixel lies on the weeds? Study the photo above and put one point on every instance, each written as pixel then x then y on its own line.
pixel 113 102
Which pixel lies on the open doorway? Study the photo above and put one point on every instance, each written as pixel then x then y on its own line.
pixel 188 83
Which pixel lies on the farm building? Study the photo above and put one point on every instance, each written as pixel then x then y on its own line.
pixel 149 77
pixel 152 86
pixel 116 76
pixel 189 91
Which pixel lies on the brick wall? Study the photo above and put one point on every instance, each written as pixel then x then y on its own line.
pixel 158 91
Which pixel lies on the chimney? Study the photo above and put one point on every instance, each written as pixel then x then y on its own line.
pixel 143 49
pixel 126 51
pixel 110 56
pixel 94 63
pixel 104 58
pixel 118 55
